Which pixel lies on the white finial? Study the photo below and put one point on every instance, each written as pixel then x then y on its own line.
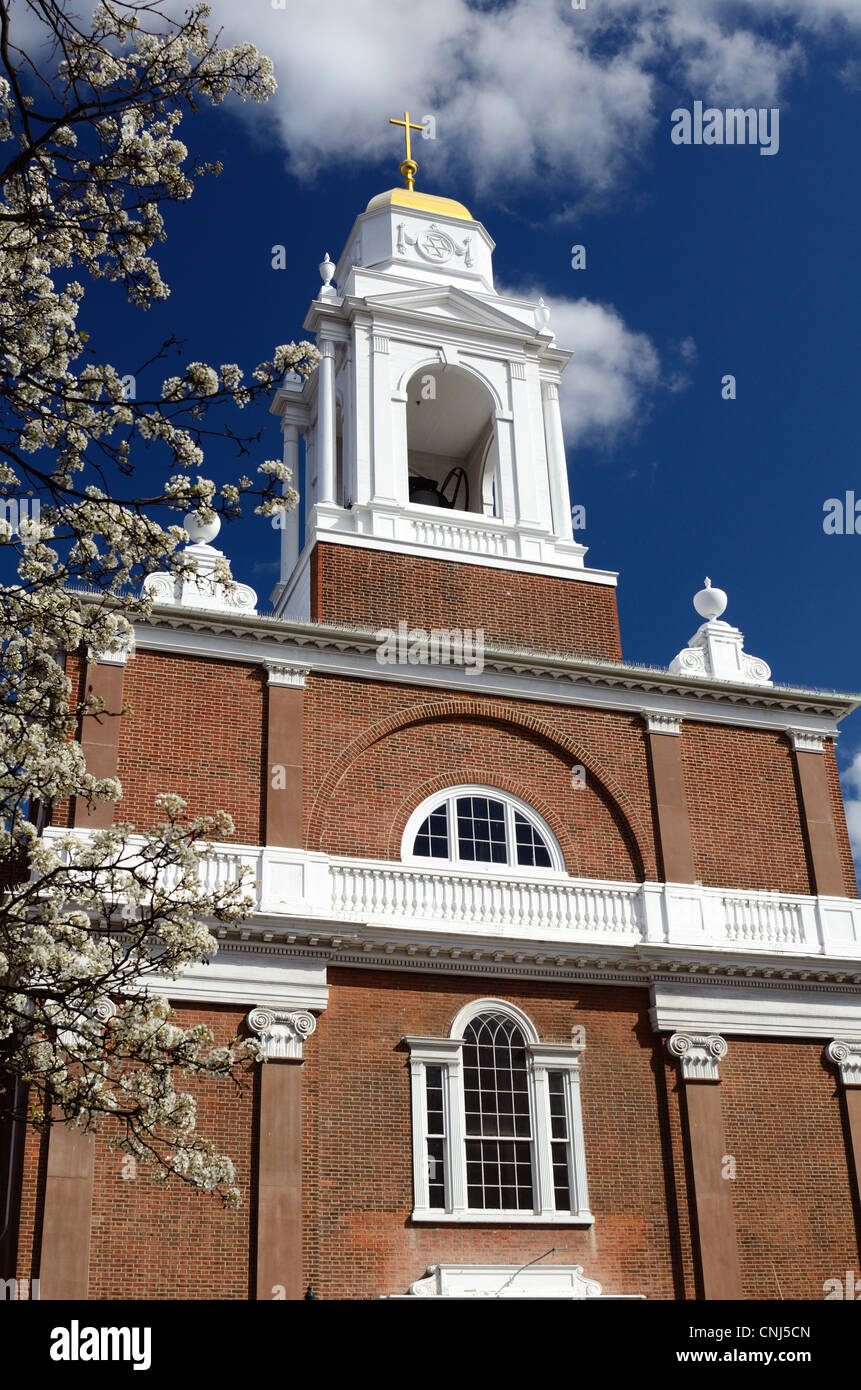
pixel 542 317
pixel 201 532
pixel 327 270
pixel 709 602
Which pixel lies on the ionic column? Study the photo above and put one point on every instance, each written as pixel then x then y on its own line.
pixel 279 1167
pixel 675 850
pixel 557 464
pixel 816 813
pixel 285 728
pixel 100 734
pixel 847 1057
pixel 326 423
pixel 705 1140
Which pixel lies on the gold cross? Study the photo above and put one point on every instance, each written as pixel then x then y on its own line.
pixel 409 168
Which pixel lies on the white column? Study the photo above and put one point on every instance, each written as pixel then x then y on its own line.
pixel 326 424
pixel 290 533
pixel 528 507
pixel 560 496
pixel 384 485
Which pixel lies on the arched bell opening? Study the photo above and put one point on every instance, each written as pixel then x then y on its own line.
pixel 451 441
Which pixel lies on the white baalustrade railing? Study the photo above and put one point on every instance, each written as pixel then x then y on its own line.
pixel 298 884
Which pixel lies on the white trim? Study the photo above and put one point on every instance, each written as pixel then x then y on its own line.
pixel 755 1009
pixel 475 1007
pixel 538 1280
pixel 449 798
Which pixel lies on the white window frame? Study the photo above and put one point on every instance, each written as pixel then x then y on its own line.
pixel 541 1058
pixel 449 797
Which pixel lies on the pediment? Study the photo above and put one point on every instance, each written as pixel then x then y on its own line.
pixel 451 303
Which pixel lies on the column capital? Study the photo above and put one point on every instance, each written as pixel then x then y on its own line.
pixel 326 347
pixel 847 1056
pixel 281 1034
pixel 699 1054
pixel 804 741
pixel 663 722
pixel 286 673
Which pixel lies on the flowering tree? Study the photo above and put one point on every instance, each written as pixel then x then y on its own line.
pixel 88 154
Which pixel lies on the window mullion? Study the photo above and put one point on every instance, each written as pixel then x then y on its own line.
pixel 542 1166
pixel 510 835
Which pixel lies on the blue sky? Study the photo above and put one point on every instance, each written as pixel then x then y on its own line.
pixel 553 125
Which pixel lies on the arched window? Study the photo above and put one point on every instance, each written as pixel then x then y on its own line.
pixel 497 1128
pixel 480 826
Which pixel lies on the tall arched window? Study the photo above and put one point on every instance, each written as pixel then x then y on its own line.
pixel 474 825
pixel 497 1128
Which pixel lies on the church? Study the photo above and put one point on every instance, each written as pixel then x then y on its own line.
pixel 555 961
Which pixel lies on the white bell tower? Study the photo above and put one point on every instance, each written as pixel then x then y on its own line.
pixel 433 390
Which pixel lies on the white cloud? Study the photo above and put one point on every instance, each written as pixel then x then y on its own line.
pixel 608 387
pixel 525 93
pixel 851 779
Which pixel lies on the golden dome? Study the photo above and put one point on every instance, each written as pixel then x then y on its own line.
pixel 422 202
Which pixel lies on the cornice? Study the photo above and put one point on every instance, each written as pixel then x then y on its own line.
pixel 439 952
pixel 256 639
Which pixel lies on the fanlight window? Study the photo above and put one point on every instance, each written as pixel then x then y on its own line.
pixel 474 826
pixel 497 1128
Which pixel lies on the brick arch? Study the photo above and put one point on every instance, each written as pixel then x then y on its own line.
pixel 611 792
pixel 479 775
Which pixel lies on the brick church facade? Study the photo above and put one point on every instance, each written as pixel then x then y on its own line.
pixel 549 952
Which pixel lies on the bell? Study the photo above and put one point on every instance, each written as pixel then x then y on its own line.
pixel 425 493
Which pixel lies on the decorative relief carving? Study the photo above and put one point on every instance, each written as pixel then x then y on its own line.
pixel 281 1034
pixel 434 245
pixel 699 1054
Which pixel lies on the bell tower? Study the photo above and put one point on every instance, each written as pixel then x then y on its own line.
pixel 431 434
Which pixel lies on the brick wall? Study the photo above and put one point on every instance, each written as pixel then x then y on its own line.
pixel 358 1157
pixel 155 1241
pixel 369 589
pixel 744 810
pixel 792 1195
pixel 374 751
pixel 196 728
